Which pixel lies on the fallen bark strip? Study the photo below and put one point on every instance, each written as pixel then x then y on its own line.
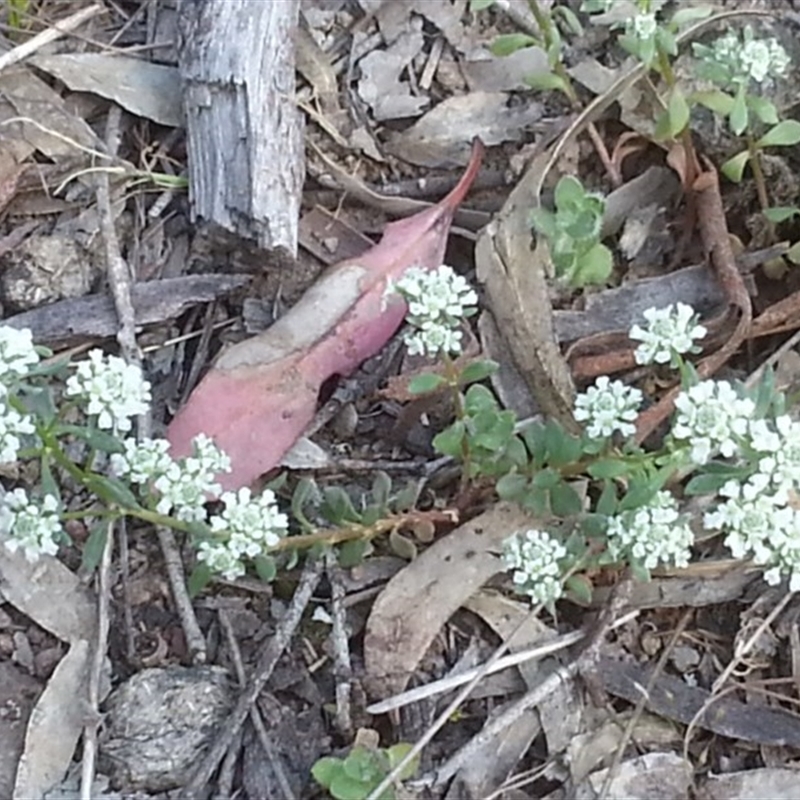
pixel 76 320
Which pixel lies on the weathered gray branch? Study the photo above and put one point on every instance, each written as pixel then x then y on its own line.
pixel 244 132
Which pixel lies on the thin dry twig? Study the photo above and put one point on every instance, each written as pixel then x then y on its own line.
pixel 342 668
pixel 51 34
pixel 255 714
pixel 639 710
pixel 268 658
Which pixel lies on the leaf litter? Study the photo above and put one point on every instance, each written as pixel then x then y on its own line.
pixel 423 84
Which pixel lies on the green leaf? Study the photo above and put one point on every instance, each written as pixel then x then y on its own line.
pixel 665 39
pixel 351 554
pixel 423 384
pixel 793 253
pixel 784 134
pixel 199 579
pixel 111 490
pixel 304 492
pixel 580 587
pixel 396 753
pixel 608 468
pixel 381 488
pixel 593 267
pixel 706 484
pixel 571 22
pixel 337 506
pixel 536 501
pixel 94 546
pixel 480 5
pixel 266 568
pixel 512 486
pixel 40 402
pixel 562 447
pixel 733 168
pixel 449 442
pixel 477 371
pixel 717 101
pixel 546 82
pixel 546 479
pixel 326 769
pixel 564 500
pixel 544 222
pixel 764 109
pixel 49 485
pixel 569 192
pixel 94 437
pixel 778 214
pixel 508 43
pixel 607 502
pixel 344 787
pixel 739 116
pixel 689 14
pixel 478 398
pixel 678 111
pixel 535 438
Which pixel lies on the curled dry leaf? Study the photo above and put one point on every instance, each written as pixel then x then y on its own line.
pixel 262 393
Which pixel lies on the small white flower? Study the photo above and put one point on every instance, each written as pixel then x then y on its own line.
pixel 437 301
pixel 533 556
pixel 12 426
pixel 671 331
pixel 114 391
pixel 17 353
pixel 220 559
pixel 254 524
pixel 185 484
pixel 142 461
pixel 782 464
pixel 30 527
pixel 644 26
pixel 711 415
pixel 653 534
pixel 607 407
pixel 741 59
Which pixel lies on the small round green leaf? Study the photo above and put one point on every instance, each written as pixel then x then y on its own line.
pixel 784 134
pixel 423 384
pixel 733 168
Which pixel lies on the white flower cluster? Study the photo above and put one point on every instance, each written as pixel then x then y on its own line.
pixel 27 526
pixel 653 534
pixel 247 528
pixel 17 353
pixel 759 515
pixel 534 557
pixel 437 301
pixel 740 59
pixel 711 415
pixel 114 391
pixel 182 486
pixel 607 407
pixel 670 332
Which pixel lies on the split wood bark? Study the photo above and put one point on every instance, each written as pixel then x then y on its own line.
pixel 244 132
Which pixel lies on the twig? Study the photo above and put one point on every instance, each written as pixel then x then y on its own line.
pixel 342 668
pixel 98 660
pixel 255 713
pixel 54 32
pixel 639 710
pixel 119 278
pixel 227 772
pixel 195 640
pixel 267 660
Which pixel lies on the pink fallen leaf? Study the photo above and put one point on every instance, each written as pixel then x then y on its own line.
pixel 261 394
